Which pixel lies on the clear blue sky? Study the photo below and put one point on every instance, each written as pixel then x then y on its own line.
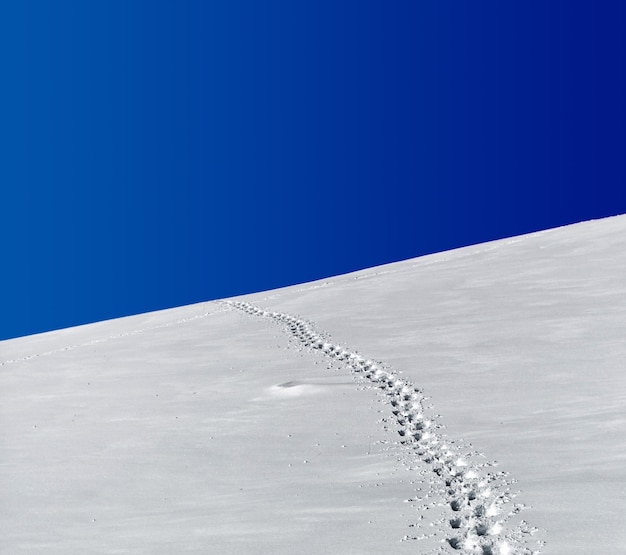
pixel 158 153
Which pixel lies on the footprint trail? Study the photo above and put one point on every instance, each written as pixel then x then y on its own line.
pixel 478 501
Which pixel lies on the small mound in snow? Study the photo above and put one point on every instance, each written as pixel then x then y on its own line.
pixel 296 388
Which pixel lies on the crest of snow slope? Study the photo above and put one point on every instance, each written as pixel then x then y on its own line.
pixel 203 429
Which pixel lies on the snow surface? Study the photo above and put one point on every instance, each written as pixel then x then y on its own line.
pixel 360 414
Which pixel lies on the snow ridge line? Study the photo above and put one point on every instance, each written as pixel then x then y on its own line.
pixel 476 499
pixel 105 339
pixel 424 261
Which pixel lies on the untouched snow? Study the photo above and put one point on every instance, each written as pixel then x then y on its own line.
pixel 361 414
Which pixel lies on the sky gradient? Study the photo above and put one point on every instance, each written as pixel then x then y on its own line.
pixel 160 153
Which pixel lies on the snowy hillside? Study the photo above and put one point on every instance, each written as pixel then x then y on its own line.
pixel 472 401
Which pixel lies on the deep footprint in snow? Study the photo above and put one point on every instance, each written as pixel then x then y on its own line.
pixel 478 500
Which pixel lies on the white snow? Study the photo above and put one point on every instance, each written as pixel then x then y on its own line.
pixel 359 414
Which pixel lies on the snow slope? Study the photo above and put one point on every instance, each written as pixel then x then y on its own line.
pixel 361 414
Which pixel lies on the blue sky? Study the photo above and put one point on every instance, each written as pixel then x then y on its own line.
pixel 160 153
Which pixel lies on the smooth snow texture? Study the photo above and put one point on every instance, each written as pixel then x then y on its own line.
pixel 360 414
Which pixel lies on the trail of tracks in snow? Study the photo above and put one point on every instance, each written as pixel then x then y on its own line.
pixel 478 502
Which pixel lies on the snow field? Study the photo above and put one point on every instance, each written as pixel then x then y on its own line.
pixel 203 429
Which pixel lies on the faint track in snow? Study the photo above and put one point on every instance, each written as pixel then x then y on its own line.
pixel 105 339
pixel 478 502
